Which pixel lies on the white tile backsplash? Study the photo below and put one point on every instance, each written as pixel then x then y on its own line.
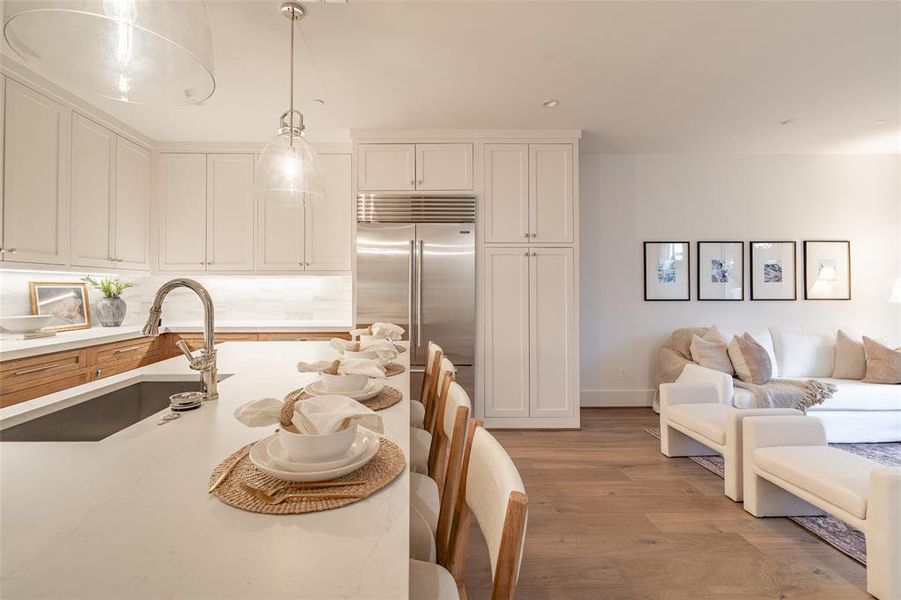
pixel 236 298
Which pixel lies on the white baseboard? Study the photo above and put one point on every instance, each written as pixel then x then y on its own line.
pixel 611 398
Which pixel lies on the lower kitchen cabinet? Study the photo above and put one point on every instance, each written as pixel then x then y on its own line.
pixel 531 337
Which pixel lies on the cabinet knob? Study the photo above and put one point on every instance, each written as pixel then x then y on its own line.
pixel 412 182
pixel 525 253
pixel 525 235
pixel 532 234
pixel 419 182
pixel 10 250
pixel 533 254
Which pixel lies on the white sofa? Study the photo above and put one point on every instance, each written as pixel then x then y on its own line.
pixel 693 422
pixel 858 412
pixel 790 471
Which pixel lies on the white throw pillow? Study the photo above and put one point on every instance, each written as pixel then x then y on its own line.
pixel 711 351
pixel 804 352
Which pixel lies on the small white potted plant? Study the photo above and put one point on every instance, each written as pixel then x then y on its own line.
pixel 111 308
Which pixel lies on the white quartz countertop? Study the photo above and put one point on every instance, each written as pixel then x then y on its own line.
pixel 12 347
pixel 129 516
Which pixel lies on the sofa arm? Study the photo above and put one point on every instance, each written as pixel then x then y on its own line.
pixel 785 430
pixel 687 393
pixel 697 374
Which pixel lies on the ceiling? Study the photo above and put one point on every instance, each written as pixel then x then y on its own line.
pixel 637 77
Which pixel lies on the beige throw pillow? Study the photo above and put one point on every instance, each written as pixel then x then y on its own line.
pixel 883 363
pixel 751 362
pixel 850 358
pixel 711 351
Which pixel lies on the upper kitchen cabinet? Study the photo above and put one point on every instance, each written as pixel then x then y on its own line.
pixel 329 223
pixel 229 237
pixel 280 237
pixel 414 167
pixel 529 193
pixel 131 217
pixel 206 212
pixel 35 186
pixel 110 198
pixel 182 212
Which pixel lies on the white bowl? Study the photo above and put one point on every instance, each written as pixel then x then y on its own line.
pixel 306 448
pixel 259 458
pixel 279 459
pixel 25 323
pixel 343 383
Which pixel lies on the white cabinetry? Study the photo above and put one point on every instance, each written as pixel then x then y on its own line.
pixel 530 334
pixel 281 237
pixel 529 193
pixel 110 198
pixel 182 212
pixel 411 167
pixel 229 236
pixel 35 184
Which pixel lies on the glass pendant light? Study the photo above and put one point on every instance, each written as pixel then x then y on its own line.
pixel 287 170
pixel 157 52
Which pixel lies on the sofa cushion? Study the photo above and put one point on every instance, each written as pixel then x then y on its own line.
pixel 850 358
pixel 708 420
pixel 883 363
pixel 751 361
pixel 711 351
pixel 851 395
pixel 762 336
pixel 838 477
pixel 804 352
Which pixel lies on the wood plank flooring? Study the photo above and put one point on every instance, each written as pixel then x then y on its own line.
pixel 610 517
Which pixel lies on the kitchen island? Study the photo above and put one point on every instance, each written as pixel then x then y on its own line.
pixel 129 516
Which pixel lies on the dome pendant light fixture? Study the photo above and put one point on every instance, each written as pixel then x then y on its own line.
pixel 287 172
pixel 155 52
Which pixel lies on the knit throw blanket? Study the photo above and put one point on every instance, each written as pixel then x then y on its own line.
pixel 789 393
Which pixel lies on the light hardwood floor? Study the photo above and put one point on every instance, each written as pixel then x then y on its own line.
pixel 610 517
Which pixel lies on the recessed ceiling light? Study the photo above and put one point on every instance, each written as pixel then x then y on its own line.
pixel 881 122
pixel 550 103
pixel 318 100
pixel 787 122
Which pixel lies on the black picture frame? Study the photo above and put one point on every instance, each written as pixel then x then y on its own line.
pixel 687 246
pixel 741 260
pixel 807 284
pixel 794 247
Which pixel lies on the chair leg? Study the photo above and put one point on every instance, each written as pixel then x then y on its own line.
pixel 675 443
pixel 765 499
pixel 732 475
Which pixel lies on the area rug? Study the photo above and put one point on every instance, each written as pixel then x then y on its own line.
pixel 834 532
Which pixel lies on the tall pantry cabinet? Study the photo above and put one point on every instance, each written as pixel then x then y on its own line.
pixel 529 283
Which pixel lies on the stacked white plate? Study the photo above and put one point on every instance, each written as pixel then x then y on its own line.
pixel 268 456
pixel 371 389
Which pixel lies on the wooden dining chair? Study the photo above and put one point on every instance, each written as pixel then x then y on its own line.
pixel 419 408
pixel 490 489
pixel 421 440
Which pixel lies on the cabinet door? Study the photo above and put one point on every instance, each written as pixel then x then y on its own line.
pixel 182 205
pixel 386 167
pixel 36 187
pixel 132 214
pixel 328 223
pixel 506 332
pixel 93 164
pixel 443 166
pixel 280 237
pixel 506 209
pixel 552 335
pixel 551 191
pixel 230 212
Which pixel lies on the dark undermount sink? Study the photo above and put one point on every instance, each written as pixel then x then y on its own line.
pixel 100 417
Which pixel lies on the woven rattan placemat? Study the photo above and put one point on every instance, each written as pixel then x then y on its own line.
pixel 384 467
pixel 389 396
pixel 392 369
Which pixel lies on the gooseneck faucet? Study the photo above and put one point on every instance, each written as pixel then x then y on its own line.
pixel 206 362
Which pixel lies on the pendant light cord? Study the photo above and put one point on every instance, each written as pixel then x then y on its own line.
pixel 291 93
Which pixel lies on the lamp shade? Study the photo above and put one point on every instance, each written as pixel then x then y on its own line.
pixel 157 52
pixel 896 292
pixel 287 172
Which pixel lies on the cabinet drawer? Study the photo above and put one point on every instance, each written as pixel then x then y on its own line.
pixel 318 336
pixel 145 349
pixel 42 389
pixel 26 373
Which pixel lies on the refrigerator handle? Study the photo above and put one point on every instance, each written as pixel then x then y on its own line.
pixel 410 289
pixel 419 293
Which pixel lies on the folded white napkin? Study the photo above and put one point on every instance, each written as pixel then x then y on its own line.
pixel 360 366
pixel 388 331
pixel 386 350
pixel 314 367
pixel 342 345
pixel 319 414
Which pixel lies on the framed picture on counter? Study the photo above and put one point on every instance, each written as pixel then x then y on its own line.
pixel 721 271
pixel 66 301
pixel 827 270
pixel 667 271
pixel 773 271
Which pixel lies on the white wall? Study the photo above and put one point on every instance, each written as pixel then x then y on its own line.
pixel 628 199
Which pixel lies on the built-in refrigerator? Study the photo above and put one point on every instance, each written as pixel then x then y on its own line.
pixel 416 267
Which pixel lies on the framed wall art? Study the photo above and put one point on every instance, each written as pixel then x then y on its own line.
pixel 827 270
pixel 66 301
pixel 667 271
pixel 721 271
pixel 773 275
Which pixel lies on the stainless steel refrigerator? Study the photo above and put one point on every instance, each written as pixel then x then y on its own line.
pixel 416 268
